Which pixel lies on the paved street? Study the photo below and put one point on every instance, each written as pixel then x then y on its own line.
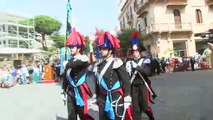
pixel 181 96
pixel 184 96
pixel 32 102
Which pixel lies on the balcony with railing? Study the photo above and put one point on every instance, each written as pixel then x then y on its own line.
pixel 129 19
pixel 209 2
pixel 168 27
pixel 176 2
pixel 139 7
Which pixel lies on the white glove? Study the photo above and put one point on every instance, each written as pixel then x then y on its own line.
pixel 64 97
pixel 147 61
pixel 65 63
pixel 92 103
pixel 93 100
pixel 128 67
pixel 127 101
pixel 94 96
pixel 134 65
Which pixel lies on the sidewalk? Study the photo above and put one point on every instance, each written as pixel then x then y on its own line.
pixel 32 102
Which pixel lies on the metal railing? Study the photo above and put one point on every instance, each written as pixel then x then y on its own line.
pixel 140 5
pixel 177 2
pixel 167 27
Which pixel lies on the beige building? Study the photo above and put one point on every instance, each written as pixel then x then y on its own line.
pixel 169 25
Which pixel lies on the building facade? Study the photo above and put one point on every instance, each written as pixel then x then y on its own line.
pixel 16 31
pixel 169 26
pixel 17 38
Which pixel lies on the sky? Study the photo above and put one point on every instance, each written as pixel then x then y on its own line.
pixel 86 14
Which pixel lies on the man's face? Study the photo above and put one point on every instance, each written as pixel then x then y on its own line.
pixel 105 52
pixel 74 50
pixel 136 54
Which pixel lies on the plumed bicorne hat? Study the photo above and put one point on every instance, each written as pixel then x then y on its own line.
pixel 106 40
pixel 75 39
pixel 135 42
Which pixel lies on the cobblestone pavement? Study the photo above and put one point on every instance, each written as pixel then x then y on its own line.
pixel 181 96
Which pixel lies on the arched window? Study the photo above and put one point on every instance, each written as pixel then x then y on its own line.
pixel 131 17
pixel 177 19
pixel 199 18
pixel 139 27
pixel 145 21
pixel 135 5
pixel 176 13
pixel 123 23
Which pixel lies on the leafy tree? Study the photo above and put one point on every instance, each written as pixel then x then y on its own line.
pixel 58 39
pixel 26 22
pixel 46 25
pixel 87 45
pixel 125 39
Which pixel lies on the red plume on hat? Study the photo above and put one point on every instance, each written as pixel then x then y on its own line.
pixel 134 38
pixel 75 39
pixel 98 33
pixel 106 40
pixel 136 42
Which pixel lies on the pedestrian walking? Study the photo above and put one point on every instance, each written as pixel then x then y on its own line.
pixel 74 83
pixel 210 46
pixel 163 64
pixel 192 62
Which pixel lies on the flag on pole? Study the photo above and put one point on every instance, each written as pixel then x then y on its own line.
pixel 64 52
pixel 69 20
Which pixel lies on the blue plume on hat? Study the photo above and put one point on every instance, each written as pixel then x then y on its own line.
pixel 134 38
pixel 107 42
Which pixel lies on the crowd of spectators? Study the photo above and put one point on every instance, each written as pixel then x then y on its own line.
pixel 23 74
pixel 175 64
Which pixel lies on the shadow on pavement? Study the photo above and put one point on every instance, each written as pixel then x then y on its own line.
pixel 60 118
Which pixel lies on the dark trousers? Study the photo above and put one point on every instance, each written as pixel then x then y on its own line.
pixel 140 102
pixel 192 66
pixel 103 114
pixel 74 109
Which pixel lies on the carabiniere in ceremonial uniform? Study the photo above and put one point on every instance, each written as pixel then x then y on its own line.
pixel 139 67
pixel 74 83
pixel 113 82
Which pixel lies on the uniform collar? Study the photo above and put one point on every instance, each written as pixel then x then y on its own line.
pixel 108 58
pixel 137 58
pixel 77 56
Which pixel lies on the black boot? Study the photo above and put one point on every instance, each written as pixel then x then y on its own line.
pixel 151 118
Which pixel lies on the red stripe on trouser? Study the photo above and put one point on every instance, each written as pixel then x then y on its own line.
pixel 148 96
pixel 129 112
pixel 149 112
pixel 84 90
pixel 84 96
